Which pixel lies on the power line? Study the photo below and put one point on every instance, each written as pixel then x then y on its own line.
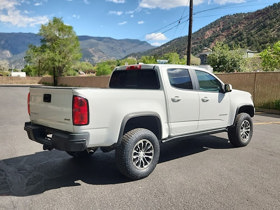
pixel 183 19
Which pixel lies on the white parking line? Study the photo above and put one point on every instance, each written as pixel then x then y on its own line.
pixel 266 123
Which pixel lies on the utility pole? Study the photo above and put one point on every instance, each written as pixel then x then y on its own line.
pixel 190 34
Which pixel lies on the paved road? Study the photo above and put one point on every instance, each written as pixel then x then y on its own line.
pixel 199 173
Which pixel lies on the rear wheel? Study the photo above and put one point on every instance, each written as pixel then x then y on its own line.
pixel 138 154
pixel 82 154
pixel 241 132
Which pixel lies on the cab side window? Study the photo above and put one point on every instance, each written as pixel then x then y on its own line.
pixel 207 82
pixel 180 78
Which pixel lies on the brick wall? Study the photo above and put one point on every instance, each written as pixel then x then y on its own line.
pixel 19 80
pixel 264 86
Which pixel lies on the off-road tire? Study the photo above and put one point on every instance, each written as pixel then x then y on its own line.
pixel 138 153
pixel 240 134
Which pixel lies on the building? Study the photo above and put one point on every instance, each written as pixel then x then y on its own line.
pixel 18 74
pixel 203 55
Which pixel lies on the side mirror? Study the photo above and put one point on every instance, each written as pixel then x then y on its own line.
pixel 227 88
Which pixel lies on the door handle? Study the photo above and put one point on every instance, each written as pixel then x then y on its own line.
pixel 205 99
pixel 176 99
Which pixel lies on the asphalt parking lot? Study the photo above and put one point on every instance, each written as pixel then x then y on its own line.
pixel 199 173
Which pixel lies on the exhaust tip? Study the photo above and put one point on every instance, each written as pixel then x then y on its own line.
pixel 47 147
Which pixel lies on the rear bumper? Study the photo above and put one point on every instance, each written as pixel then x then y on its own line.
pixel 56 139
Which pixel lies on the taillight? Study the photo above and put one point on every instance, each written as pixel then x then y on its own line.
pixel 28 103
pixel 134 67
pixel 80 111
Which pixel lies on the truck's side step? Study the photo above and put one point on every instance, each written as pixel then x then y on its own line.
pixel 171 138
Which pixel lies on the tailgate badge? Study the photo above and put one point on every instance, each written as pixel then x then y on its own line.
pixel 47 98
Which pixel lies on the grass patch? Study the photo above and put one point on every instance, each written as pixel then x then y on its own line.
pixel 47 83
pixel 4 73
pixel 271 105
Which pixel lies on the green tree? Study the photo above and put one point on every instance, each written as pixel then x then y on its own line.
pixel 85 67
pixel 271 58
pixel 173 58
pixel 59 50
pixel 4 65
pixel 103 69
pixel 30 70
pixel 194 60
pixel 253 64
pixel 148 59
pixel 127 61
pixel 223 59
pixel 36 61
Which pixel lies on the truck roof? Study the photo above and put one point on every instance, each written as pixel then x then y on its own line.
pixel 153 66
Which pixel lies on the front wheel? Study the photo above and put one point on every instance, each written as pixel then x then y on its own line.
pixel 138 154
pixel 241 132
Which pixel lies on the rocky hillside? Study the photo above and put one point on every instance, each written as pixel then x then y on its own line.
pixel 255 31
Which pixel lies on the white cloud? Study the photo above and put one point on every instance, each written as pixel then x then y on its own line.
pixel 86 2
pixel 117 1
pixel 156 37
pixel 169 4
pixel 228 1
pixel 156 44
pixel 130 12
pixel 140 22
pixel 76 16
pixel 11 15
pixel 166 4
pixel 115 13
pixel 122 23
pixel 8 4
pixel 38 4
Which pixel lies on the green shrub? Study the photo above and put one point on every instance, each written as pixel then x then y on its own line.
pixel 271 105
pixel 103 69
pixel 4 73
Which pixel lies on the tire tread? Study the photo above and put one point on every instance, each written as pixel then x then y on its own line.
pixel 122 154
pixel 233 131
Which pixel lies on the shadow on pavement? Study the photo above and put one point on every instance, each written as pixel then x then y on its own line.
pixel 46 170
pixel 264 114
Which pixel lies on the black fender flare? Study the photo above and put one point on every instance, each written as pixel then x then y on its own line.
pixel 246 108
pixel 137 115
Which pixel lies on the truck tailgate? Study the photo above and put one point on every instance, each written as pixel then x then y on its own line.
pixel 52 107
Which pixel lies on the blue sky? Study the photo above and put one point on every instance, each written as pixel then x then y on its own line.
pixel 154 21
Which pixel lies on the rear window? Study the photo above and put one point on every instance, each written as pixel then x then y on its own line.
pixel 135 79
pixel 180 78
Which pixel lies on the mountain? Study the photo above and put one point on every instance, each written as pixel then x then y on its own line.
pixel 14 45
pixel 254 30
pixel 94 49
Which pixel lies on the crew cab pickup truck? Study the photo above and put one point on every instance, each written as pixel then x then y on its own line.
pixel 145 105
